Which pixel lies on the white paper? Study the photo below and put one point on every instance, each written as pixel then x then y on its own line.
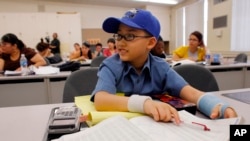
pixel 116 128
pixel 161 131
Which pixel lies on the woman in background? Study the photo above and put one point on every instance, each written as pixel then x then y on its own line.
pixel 82 54
pixel 12 48
pixel 111 48
pixel 195 51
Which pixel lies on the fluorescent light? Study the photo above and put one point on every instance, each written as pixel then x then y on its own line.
pixel 160 1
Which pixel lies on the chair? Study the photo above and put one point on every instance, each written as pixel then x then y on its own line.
pixel 240 58
pixel 198 76
pixel 80 82
pixel 97 61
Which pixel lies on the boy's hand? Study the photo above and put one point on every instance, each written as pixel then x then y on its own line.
pixel 161 111
pixel 229 113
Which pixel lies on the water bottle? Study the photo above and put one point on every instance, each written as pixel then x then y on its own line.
pixel 207 57
pixel 24 64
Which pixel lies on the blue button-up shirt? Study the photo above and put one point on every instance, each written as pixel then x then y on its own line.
pixel 156 77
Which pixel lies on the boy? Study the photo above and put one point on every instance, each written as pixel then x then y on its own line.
pixel 139 75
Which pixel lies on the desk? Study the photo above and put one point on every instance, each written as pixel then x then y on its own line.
pixel 230 76
pixel 32 89
pixel 28 123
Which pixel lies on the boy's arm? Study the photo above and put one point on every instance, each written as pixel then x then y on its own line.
pixel 158 110
pixel 110 102
pixel 193 95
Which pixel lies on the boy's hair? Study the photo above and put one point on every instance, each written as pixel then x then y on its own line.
pixel 99 44
pixel 135 18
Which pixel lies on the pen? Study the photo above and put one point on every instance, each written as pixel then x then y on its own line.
pixel 196 124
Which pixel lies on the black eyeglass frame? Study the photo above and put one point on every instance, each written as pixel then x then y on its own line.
pixel 128 37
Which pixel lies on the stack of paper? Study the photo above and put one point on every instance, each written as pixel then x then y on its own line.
pixel 144 128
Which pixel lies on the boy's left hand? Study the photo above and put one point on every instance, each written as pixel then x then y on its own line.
pixel 229 113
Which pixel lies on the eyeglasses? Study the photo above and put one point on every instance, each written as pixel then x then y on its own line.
pixel 193 40
pixel 128 37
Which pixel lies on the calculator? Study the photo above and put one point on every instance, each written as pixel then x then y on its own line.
pixel 64 120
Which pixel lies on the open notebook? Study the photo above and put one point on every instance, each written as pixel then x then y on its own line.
pixel 144 128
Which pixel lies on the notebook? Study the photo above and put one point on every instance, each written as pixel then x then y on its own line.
pixel 240 96
pixel 144 128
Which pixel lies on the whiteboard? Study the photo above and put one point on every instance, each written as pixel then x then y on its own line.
pixel 31 27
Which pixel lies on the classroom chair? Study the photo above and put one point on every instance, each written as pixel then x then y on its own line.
pixel 96 62
pixel 198 76
pixel 80 82
pixel 241 58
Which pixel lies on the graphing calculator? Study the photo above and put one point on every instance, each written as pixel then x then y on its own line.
pixel 64 120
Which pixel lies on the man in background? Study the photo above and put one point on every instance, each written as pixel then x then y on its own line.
pixel 55 44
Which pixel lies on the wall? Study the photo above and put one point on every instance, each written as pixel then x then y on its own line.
pixel 221 43
pixel 92 16
pixel 172 43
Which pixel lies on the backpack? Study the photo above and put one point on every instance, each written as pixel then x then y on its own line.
pixel 69 66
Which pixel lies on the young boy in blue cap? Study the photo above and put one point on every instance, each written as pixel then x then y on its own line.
pixel 139 75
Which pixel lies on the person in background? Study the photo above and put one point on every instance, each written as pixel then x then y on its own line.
pixel 195 51
pixel 12 48
pixel 98 50
pixel 158 49
pixel 1 48
pixel 140 75
pixel 76 53
pixel 111 48
pixel 44 49
pixel 83 54
pixel 55 44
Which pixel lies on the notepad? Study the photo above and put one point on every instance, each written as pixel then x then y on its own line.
pixel 144 128
pixel 94 116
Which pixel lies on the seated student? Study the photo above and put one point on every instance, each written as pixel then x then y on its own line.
pixel 12 48
pixel 195 51
pixel 44 49
pixel 158 50
pixel 83 54
pixel 98 50
pixel 139 75
pixel 74 54
pixel 111 48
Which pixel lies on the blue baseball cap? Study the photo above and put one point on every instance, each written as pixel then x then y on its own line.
pixel 135 18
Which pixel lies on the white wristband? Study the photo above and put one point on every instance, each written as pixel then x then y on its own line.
pixel 136 103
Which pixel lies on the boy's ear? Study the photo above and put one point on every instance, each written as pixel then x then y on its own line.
pixel 152 42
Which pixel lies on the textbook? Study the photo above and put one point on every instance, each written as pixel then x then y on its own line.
pixel 144 128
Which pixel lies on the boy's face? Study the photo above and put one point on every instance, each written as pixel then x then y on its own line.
pixel 135 51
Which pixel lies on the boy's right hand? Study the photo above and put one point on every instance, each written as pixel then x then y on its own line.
pixel 161 111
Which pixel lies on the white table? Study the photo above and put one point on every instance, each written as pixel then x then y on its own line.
pixel 32 89
pixel 28 123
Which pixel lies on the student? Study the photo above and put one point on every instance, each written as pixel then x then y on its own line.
pixel 76 53
pixel 12 48
pixel 139 75
pixel 83 54
pixel 195 51
pixel 43 49
pixel 158 50
pixel 111 48
pixel 98 50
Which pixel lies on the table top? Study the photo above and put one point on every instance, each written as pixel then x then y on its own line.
pixel 28 123
pixel 56 75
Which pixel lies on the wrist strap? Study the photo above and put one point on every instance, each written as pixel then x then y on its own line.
pixel 207 103
pixel 136 103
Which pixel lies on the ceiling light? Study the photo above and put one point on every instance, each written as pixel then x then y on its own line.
pixel 160 1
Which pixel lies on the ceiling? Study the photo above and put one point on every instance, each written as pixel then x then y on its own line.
pixel 120 3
